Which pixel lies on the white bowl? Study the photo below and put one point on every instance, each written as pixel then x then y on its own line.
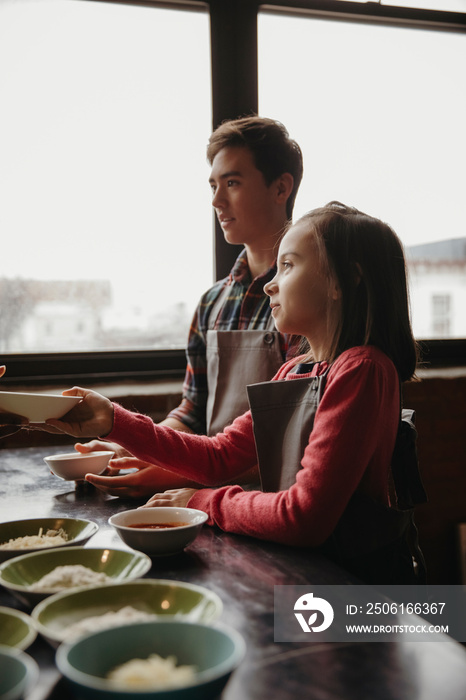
pixel 74 466
pixel 37 408
pixel 167 540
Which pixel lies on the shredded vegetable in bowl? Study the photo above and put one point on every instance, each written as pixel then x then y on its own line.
pixel 154 672
pixel 52 538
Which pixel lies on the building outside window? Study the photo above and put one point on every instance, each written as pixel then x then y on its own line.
pixel 441 310
pixel 379 112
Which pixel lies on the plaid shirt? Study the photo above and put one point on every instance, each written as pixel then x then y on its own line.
pixel 247 307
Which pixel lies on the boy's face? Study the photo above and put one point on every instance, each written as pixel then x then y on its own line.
pixel 246 207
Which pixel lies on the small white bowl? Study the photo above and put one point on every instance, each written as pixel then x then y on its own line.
pixel 161 541
pixel 37 408
pixel 74 466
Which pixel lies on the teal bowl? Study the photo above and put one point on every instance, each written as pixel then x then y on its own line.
pixel 216 651
pixel 18 673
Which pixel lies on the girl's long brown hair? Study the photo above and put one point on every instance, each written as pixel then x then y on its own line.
pixel 366 258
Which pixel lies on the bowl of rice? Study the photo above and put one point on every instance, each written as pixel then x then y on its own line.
pixel 16 628
pixel 37 534
pixel 33 577
pixel 158 531
pixel 18 673
pixel 68 615
pixel 172 660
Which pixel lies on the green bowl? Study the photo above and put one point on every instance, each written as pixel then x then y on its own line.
pixel 79 532
pixel 18 574
pixel 54 616
pixel 18 673
pixel 16 629
pixel 215 651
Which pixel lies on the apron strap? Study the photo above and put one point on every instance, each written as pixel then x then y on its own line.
pixel 217 306
pixel 408 486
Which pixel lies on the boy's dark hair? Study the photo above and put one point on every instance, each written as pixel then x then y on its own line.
pixel 366 258
pixel 273 150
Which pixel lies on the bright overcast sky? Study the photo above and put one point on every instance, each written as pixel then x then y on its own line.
pixel 106 114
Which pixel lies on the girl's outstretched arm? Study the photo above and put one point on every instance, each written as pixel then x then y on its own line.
pixel 203 460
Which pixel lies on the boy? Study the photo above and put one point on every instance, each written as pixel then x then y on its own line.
pixel 256 172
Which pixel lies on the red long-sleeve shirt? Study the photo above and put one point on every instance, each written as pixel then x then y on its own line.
pixel 350 447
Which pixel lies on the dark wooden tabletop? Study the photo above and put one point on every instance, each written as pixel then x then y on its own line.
pixel 243 572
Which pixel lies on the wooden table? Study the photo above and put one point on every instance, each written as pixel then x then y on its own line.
pixel 243 572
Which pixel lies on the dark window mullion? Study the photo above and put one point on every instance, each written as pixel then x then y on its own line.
pixel 234 84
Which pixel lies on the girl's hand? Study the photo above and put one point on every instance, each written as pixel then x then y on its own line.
pixel 177 498
pixel 99 445
pixel 91 417
pixel 143 479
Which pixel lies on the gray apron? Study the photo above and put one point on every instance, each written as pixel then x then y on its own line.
pixel 234 360
pixel 374 541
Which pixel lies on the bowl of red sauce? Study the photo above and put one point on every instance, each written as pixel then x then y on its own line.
pixel 158 531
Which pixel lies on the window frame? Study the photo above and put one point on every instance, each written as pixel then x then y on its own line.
pixel 234 60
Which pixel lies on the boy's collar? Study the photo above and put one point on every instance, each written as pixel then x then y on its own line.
pixel 241 272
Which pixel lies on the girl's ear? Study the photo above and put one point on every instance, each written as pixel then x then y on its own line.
pixel 284 185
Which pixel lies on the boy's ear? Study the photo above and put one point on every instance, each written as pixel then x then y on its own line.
pixel 284 185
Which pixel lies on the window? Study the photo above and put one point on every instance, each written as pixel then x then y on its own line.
pixel 379 113
pixel 106 111
pixel 441 308
pixel 106 218
pixel 448 5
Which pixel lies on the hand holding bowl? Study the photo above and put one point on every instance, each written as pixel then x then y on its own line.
pixel 91 417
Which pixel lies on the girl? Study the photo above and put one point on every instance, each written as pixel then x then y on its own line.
pixel 323 432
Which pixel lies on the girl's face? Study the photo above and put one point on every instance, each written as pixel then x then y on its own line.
pixel 302 292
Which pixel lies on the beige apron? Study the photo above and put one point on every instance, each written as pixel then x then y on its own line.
pixel 234 360
pixel 374 541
